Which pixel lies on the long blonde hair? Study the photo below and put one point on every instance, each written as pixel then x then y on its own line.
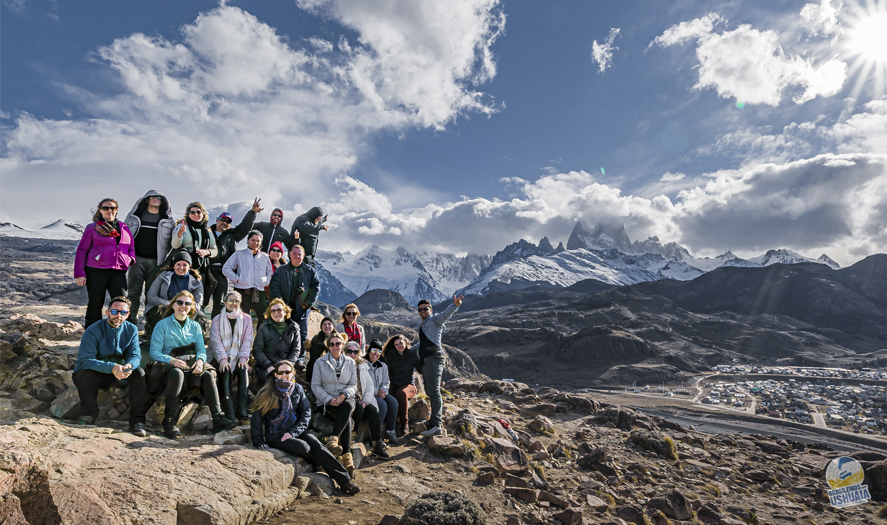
pixel 170 308
pixel 268 397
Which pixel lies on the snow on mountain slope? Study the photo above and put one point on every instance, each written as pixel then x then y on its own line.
pixel 59 230
pixel 784 256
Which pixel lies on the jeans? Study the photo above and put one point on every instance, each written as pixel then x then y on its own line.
pixel 99 280
pixel 89 382
pixel 309 447
pixel 432 373
pixel 342 422
pixel 403 394
pixel 388 411
pixel 139 277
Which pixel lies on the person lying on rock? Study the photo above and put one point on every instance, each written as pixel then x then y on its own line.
pixel 365 407
pixel 386 402
pixel 334 384
pixel 231 338
pixel 109 352
pixel 277 339
pixel 401 361
pixel 177 340
pixel 432 357
pixel 280 416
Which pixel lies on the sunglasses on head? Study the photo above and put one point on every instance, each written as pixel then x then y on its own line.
pixel 424 309
pixel 283 372
pixel 115 311
pixel 184 303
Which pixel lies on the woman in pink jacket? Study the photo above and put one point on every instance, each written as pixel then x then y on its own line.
pixel 231 338
pixel 105 252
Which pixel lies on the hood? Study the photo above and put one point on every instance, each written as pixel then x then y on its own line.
pixel 142 204
pixel 281 215
pixel 314 213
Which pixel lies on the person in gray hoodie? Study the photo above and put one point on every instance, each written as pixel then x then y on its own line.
pixel 150 222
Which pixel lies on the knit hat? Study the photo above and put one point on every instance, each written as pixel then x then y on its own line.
pixel 278 245
pixel 182 256
pixel 375 343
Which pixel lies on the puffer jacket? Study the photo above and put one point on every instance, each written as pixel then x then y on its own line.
pixel 98 251
pixel 260 425
pixel 270 347
pixel 379 371
pixel 164 227
pixel 157 294
pixel 367 392
pixel 326 386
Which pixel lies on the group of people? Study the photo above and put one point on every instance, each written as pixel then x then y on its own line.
pixel 181 266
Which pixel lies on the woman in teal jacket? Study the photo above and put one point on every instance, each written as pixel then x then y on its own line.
pixel 178 341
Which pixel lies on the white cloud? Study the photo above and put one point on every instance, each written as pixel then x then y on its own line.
pixel 671 177
pixel 602 54
pixel 19 7
pixel 822 18
pixel 750 65
pixel 865 131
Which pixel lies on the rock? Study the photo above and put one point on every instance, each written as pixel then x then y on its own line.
pixel 462 384
pixel 673 504
pixel 420 410
pixel 654 442
pixel 542 425
pixel 235 436
pixel 535 446
pixel 760 476
pixel 186 414
pixel 596 503
pixel 24 488
pixel 523 494
pixel 445 446
pixel 876 479
pixel 554 500
pixel 773 448
pixel 465 422
pixel 485 479
pixel 544 409
pixel 202 420
pixel 319 483
pixel 570 516
pixel 323 425
pixel 67 405
pixel 358 453
pixel 621 417
pixel 508 458
pixel 631 514
pixel 710 513
pixel 388 519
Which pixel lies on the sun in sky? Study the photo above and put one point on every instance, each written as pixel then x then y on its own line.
pixel 866 43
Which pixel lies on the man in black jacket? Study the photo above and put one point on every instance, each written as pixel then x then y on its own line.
pixel 297 284
pixel 273 231
pixel 226 241
pixel 306 229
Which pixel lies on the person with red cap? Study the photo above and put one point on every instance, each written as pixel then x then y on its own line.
pixel 276 255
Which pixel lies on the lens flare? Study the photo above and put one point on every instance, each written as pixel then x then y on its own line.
pixel 740 105
pixel 865 44
pixel 603 172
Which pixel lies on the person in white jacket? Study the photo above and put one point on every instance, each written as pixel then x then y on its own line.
pixel 385 401
pixel 231 340
pixel 365 407
pixel 334 384
pixel 249 270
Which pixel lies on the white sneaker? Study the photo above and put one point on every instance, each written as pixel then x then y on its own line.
pixel 433 431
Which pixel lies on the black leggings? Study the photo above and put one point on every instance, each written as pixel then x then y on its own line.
pixel 342 426
pixel 309 447
pixel 176 380
pixel 370 414
pixel 99 280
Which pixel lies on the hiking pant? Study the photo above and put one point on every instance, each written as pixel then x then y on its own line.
pixel 432 372
pixel 309 447
pixel 98 281
pixel 139 277
pixel 89 382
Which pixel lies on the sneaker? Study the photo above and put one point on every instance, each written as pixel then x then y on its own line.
pixel 86 420
pixel 433 431
pixel 138 430
pixel 350 488
pixel 392 437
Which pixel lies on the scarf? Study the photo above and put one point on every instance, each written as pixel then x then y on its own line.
pixel 200 240
pixel 109 229
pixel 285 389
pixel 338 364
pixel 359 395
pixel 353 333
pixel 231 338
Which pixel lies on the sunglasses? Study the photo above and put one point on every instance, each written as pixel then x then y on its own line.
pixel 349 314
pixel 225 220
pixel 233 301
pixel 352 352
pixel 335 345
pixel 276 215
pixel 277 309
pixel 283 372
pixel 195 212
pixel 115 311
pixel 184 303
pixel 424 309
pixel 276 250
pixel 109 208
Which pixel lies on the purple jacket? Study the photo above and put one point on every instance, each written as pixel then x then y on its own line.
pixel 97 251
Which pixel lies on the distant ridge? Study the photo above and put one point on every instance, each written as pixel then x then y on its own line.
pixel 59 230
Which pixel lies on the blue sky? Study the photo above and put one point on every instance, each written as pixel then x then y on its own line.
pixel 461 126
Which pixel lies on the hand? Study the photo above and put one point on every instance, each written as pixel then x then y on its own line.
pixel 382 393
pixel 458 300
pixel 178 363
pixel 242 364
pixel 341 400
pixel 296 234
pixel 264 446
pixel 181 230
pixel 286 436
pixel 256 205
pixel 81 281
pixel 270 369
pixel 197 367
pixel 203 253
pixel 326 227
pixel 363 404
pixel 224 366
pixel 118 372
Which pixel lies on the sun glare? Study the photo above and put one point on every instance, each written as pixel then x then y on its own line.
pixel 866 45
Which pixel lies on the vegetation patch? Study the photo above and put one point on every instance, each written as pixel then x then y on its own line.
pixel 442 508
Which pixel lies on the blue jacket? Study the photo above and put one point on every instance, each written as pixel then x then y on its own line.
pixel 260 425
pixel 434 326
pixel 168 334
pixel 103 346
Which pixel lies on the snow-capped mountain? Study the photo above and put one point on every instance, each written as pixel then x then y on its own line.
pixel 420 275
pixel 784 256
pixel 58 230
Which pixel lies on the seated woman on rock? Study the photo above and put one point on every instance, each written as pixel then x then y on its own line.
pixel 365 408
pixel 317 345
pixel 178 340
pixel 280 416
pixel 169 282
pixel 401 362
pixel 334 384
pixel 276 340
pixel 386 402
pixel 231 338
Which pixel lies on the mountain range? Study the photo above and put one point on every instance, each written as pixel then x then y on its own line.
pixel 604 254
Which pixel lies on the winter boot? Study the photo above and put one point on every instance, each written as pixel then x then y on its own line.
pixel 348 463
pixel 226 401
pixel 221 421
pixel 242 402
pixel 170 429
pixel 391 437
pixel 333 445
pixel 379 450
pixel 350 487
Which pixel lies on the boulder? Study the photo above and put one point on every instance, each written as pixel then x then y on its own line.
pixel 876 479
pixel 508 458
pixel 542 425
pixel 465 422
pixel 485 478
pixel 445 446
pixel 25 493
pixel 621 417
pixel 420 410
pixel 631 513
pixel 202 420
pixel 569 516
pixel 654 442
pixel 235 436
pixel 673 504
pixel 543 409
pixel 523 494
